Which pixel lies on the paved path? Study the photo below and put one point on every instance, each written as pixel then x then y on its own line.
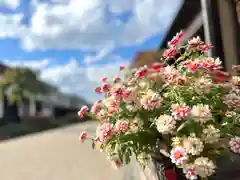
pixel 56 155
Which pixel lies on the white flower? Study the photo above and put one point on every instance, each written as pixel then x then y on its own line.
pixel 132 107
pixel 116 163
pixel 211 134
pixel 178 155
pixel 234 144
pixel 201 113
pixel 233 98
pixel 193 145
pixel 195 41
pixel 190 172
pixel 203 85
pixel 172 75
pixel 165 124
pixel 132 103
pixel 151 100
pixel 230 114
pixel 236 80
pixel 204 167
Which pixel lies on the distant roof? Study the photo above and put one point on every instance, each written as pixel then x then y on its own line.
pixel 145 58
pixel 184 17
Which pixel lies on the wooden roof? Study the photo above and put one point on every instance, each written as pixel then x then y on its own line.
pixel 145 58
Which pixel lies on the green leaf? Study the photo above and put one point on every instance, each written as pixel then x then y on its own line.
pixel 183 125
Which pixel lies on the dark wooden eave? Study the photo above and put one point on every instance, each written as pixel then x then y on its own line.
pixel 183 19
pixel 3 68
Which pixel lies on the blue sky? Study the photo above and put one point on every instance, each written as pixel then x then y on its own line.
pixel 75 42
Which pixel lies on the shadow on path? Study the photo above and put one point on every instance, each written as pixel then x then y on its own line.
pixel 33 125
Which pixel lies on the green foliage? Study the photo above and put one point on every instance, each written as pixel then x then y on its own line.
pixel 20 81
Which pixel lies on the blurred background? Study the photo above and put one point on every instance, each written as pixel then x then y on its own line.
pixel 54 52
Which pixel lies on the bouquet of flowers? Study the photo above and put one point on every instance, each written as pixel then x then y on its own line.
pixel 182 107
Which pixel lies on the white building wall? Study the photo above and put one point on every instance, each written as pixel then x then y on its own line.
pixel 32 107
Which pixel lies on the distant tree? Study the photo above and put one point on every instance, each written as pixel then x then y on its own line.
pixel 18 82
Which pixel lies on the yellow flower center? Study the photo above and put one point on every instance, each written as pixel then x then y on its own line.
pixel 178 155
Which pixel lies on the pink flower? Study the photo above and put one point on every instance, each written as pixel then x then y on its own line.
pixel 104 79
pixel 151 104
pixel 190 172
pixel 220 76
pixel 105 131
pixel 180 111
pixel 111 110
pixel 126 93
pixel 236 68
pixel 117 92
pixel 96 139
pixel 176 39
pixel 141 72
pixel 105 87
pixel 178 155
pixel 170 53
pixel 234 144
pixel 205 47
pixel 156 66
pixel 116 79
pixel 97 90
pixel 116 163
pixel 191 66
pixel 195 44
pixel 83 136
pixel 172 75
pixel 96 107
pixel 211 64
pixel 151 101
pixel 122 68
pixel 82 111
pixel 121 126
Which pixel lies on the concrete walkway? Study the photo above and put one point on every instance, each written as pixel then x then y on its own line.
pixel 57 155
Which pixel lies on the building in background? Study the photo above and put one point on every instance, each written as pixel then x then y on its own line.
pixel 215 21
pixel 51 103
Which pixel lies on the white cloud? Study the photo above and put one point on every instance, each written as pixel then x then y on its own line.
pixel 150 17
pixel 89 25
pixel 12 4
pixel 88 59
pixel 33 64
pixel 71 77
pixel 11 25
pixel 86 25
